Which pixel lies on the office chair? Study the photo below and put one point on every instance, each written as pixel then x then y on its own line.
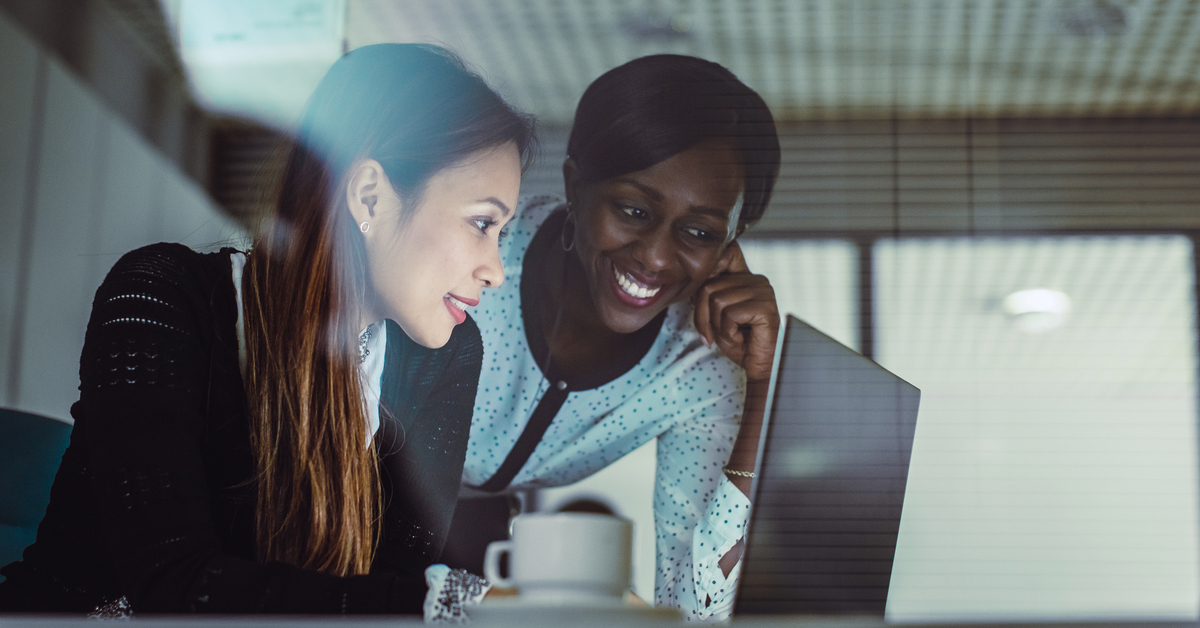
pixel 31 447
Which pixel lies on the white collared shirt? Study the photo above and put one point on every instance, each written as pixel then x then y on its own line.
pixel 370 369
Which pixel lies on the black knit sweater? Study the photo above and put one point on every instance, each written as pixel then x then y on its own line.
pixel 152 500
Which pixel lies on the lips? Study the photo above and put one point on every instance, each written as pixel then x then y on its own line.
pixel 458 306
pixel 464 300
pixel 634 290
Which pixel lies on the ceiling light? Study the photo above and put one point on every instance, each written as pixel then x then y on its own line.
pixel 1092 18
pixel 1037 310
pixel 657 27
pixel 259 59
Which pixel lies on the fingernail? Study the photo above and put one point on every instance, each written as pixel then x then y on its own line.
pixel 705 341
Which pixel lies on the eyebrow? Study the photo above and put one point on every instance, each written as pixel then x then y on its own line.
pixel 719 214
pixel 649 191
pixel 504 210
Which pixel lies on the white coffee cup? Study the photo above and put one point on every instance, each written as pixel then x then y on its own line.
pixel 565 557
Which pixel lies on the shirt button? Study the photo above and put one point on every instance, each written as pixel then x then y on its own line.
pixel 562 385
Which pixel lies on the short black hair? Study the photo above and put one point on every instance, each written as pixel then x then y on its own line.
pixel 652 108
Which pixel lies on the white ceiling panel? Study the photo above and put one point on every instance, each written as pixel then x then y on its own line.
pixel 820 59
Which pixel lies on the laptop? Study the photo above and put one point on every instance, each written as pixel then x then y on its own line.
pixel 831 474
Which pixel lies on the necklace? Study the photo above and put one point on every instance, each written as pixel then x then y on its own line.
pixel 363 339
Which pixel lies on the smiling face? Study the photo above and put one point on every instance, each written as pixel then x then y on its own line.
pixel 651 238
pixel 427 266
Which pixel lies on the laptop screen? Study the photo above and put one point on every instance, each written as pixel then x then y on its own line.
pixel 831 479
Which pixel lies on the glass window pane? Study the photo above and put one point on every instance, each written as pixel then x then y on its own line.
pixel 814 280
pixel 1053 472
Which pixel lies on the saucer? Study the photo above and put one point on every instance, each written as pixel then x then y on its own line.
pixel 509 611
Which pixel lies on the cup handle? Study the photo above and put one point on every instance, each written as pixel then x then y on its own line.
pixel 491 564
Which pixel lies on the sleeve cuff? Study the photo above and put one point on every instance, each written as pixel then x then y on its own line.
pixel 450 590
pixel 722 526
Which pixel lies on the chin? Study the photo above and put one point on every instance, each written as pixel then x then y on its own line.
pixel 436 341
pixel 627 322
pixel 430 336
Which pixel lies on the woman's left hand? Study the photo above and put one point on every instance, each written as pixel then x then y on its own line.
pixel 737 310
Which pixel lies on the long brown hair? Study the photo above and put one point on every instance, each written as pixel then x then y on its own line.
pixel 416 110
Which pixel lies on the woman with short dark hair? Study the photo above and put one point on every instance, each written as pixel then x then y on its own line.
pixel 237 445
pixel 630 316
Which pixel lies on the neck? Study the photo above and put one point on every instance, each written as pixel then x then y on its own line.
pixel 366 316
pixel 369 311
pixel 566 300
pixel 577 337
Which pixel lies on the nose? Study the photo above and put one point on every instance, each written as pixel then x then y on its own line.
pixel 655 249
pixel 491 272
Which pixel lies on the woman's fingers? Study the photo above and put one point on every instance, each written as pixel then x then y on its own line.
pixel 715 295
pixel 737 261
pixel 700 312
pixel 732 263
pixel 749 331
pixel 738 311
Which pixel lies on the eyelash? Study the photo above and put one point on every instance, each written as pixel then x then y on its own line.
pixel 700 234
pixel 628 211
pixel 483 224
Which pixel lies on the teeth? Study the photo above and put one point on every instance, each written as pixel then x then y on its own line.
pixel 456 303
pixel 632 287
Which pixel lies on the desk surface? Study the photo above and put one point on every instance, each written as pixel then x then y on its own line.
pixel 250 621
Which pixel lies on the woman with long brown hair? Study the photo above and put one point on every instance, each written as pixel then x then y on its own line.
pixel 237 446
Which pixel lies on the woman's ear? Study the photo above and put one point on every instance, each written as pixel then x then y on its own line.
pixel 570 180
pixel 363 187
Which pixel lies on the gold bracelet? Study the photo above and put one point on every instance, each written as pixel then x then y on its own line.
pixel 745 474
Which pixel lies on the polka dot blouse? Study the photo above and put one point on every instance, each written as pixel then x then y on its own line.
pixel 682 393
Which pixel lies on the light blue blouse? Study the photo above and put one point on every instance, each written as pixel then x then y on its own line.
pixel 683 393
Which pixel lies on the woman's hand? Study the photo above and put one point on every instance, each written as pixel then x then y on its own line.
pixel 737 310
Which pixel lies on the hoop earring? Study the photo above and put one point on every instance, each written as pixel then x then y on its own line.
pixel 562 237
pixel 364 226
